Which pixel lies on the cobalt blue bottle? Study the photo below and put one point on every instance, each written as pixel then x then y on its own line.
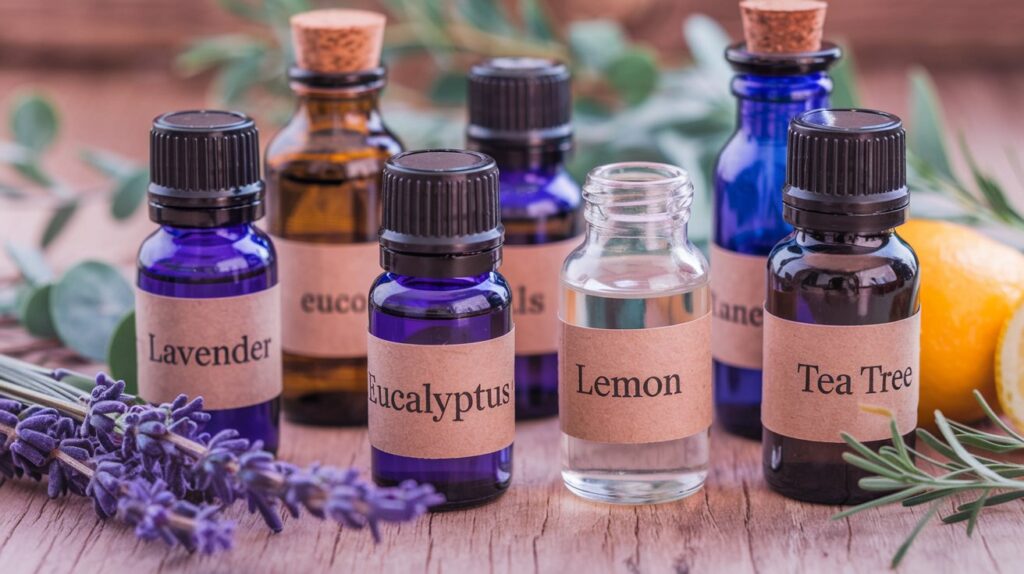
pixel 207 307
pixel 520 112
pixel 772 89
pixel 441 345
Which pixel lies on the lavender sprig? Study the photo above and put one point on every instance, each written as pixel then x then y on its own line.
pixel 147 459
pixel 38 441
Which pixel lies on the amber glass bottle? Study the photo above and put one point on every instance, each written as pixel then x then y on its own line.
pixel 323 207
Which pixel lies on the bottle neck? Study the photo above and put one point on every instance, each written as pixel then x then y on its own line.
pixel 768 103
pixel 351 109
pixel 812 237
pixel 543 157
pixel 637 199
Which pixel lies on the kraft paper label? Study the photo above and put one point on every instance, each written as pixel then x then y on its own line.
pixel 324 290
pixel 441 401
pixel 738 283
pixel 635 385
pixel 817 378
pixel 226 349
pixel 533 273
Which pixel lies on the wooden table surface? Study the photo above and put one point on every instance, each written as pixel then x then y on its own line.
pixel 733 525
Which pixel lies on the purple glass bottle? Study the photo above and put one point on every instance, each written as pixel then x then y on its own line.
pixel 441 331
pixel 520 112
pixel 772 89
pixel 207 255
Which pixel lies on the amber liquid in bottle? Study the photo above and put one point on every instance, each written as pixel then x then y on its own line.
pixel 323 187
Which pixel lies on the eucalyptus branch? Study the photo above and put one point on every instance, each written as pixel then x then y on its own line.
pixel 964 471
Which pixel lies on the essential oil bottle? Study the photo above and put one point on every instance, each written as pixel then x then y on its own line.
pixel 635 359
pixel 441 377
pixel 781 72
pixel 520 112
pixel 323 195
pixel 208 313
pixel 841 316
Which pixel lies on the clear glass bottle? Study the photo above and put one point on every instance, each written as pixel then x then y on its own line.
pixel 446 314
pixel 637 271
pixel 771 90
pixel 520 112
pixel 323 210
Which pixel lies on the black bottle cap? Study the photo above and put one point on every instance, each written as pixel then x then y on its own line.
pixel 441 214
pixel 846 170
pixel 797 63
pixel 518 102
pixel 204 169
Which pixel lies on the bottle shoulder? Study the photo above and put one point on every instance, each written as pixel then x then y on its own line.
pixel 631 268
pixel 211 252
pixel 440 298
pixel 299 137
pixel 533 194
pixel 814 264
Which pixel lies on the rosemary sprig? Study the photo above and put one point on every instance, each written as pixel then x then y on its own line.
pixel 958 470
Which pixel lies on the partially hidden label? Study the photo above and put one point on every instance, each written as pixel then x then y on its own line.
pixel 738 285
pixel 441 401
pixel 227 349
pixel 324 289
pixel 635 385
pixel 819 379
pixel 533 273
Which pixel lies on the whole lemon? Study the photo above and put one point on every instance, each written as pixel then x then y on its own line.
pixel 969 286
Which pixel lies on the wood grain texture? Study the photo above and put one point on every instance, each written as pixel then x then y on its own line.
pixel 733 525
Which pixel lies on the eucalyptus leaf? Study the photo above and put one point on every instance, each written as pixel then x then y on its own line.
pixel 58 221
pixel 238 76
pixel 596 43
pixel 129 194
pixel 34 312
pixel 926 137
pixel 845 92
pixel 30 263
pixel 34 121
pixel 11 297
pixel 208 53
pixel 537 23
pixel 32 171
pixel 449 89
pixel 87 303
pixel 486 15
pixel 634 75
pixel 121 355
pixel 707 42
pixel 108 163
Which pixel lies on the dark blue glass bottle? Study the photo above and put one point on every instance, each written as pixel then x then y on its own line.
pixel 207 247
pixel 520 114
pixel 749 175
pixel 440 246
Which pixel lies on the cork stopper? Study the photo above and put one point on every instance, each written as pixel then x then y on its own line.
pixel 338 41
pixel 783 26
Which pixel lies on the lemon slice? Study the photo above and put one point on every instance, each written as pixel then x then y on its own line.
pixel 1010 368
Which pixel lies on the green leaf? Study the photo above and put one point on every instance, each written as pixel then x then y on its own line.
pixel 58 221
pixel 217 51
pixel 486 15
pixel 30 263
pixel 989 188
pixel 129 194
pixel 538 25
pixel 108 163
pixel 707 42
pixel 32 171
pixel 34 121
pixel 913 534
pixel 634 75
pixel 596 43
pixel 926 136
pixel 448 89
pixel 252 10
pixel 34 313
pixel 238 76
pixel 845 93
pixel 87 304
pixel 121 354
